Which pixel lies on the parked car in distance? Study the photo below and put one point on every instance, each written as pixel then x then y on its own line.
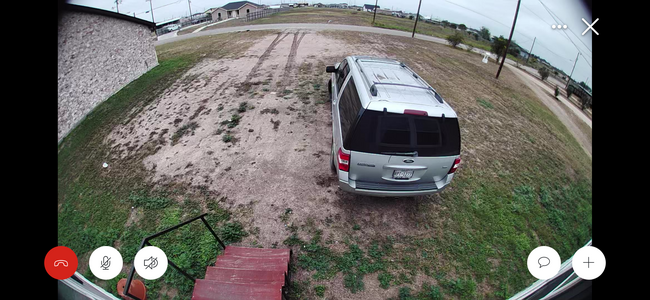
pixel 392 133
pixel 174 27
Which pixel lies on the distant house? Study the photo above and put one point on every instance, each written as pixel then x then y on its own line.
pixel 338 5
pixel 384 11
pixel 235 10
pixel 369 7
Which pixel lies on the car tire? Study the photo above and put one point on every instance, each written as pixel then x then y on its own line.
pixel 332 162
pixel 329 88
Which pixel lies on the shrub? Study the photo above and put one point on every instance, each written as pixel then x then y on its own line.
pixel 455 39
pixel 544 72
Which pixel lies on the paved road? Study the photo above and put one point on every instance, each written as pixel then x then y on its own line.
pixel 544 93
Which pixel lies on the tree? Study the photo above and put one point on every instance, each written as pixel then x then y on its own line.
pixel 445 23
pixel 544 72
pixel 514 51
pixel 499 46
pixel 455 39
pixel 453 25
pixel 462 27
pixel 485 33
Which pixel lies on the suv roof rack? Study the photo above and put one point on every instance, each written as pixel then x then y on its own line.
pixel 373 88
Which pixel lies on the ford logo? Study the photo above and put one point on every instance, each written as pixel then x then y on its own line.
pixel 408 161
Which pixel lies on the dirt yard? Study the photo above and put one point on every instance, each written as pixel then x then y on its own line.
pixel 256 130
pixel 279 153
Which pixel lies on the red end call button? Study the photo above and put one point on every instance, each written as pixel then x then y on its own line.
pixel 61 262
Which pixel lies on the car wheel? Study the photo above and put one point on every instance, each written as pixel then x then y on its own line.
pixel 329 88
pixel 332 162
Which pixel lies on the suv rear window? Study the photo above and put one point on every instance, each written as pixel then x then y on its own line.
pixel 383 133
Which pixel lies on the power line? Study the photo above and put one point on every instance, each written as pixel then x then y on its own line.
pixel 488 17
pixel 518 33
pixel 549 26
pixel 161 6
pixel 560 22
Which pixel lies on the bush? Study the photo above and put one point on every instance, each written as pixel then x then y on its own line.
pixel 544 72
pixel 455 39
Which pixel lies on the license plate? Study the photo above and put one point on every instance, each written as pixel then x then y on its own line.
pixel 402 174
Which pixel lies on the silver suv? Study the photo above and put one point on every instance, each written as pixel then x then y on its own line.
pixel 393 135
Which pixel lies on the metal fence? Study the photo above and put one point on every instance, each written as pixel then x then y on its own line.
pixel 264 13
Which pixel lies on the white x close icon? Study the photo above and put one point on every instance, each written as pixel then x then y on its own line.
pixel 590 26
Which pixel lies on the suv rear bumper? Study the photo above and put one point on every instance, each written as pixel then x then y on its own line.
pixel 377 190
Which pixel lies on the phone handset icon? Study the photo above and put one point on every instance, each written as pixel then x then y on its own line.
pixel 61 262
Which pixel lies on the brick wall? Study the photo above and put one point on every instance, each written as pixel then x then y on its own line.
pixel 97 56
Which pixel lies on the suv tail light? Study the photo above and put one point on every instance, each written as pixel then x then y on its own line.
pixel 455 166
pixel 416 112
pixel 344 161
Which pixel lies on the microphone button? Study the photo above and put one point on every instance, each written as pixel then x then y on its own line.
pixel 105 263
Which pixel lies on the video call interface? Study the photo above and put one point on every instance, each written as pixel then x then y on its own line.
pixel 325 150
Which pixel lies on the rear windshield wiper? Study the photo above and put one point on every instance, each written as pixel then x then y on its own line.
pixel 414 153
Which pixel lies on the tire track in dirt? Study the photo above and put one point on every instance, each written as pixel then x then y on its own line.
pixel 291 60
pixel 263 58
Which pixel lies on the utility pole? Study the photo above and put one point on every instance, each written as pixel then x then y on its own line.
pixel 151 7
pixel 375 13
pixel 574 67
pixel 531 50
pixel 117 5
pixel 509 39
pixel 417 16
pixel 188 5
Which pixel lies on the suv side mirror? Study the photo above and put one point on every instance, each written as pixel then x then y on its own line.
pixel 330 69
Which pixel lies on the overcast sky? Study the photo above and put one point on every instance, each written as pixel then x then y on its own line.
pixel 557 46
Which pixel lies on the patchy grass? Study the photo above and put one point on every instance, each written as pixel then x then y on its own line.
pixel 118 206
pixel 183 130
pixel 269 111
pixel 524 182
pixel 227 138
pixel 242 107
pixel 484 103
pixel 233 121
pixel 276 124
pixel 320 290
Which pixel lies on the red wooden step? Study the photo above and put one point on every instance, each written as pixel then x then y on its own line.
pixel 253 263
pixel 257 252
pixel 244 276
pixel 213 290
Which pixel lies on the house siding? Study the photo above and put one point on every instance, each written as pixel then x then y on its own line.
pixel 241 12
pixel 215 14
pixel 97 56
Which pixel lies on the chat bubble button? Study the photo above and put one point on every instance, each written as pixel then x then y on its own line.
pixel 543 262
